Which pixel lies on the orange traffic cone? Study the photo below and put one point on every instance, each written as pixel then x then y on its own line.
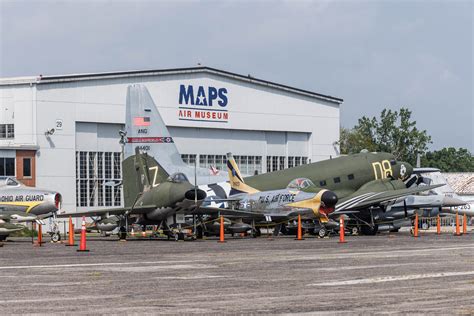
pixel 341 230
pixel 40 235
pixel 299 234
pixel 415 229
pixel 458 233
pixel 82 245
pixel 221 230
pixel 464 224
pixel 438 225
pixel 71 233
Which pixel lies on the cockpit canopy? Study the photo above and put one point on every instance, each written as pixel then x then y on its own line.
pixel 300 183
pixel 178 177
pixel 8 181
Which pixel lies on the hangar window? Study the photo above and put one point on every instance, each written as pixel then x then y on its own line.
pixel 7 167
pixel 97 174
pixel 275 163
pixel 337 180
pixel 189 159
pixel 350 177
pixel 248 165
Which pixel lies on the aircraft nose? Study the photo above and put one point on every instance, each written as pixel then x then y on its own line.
pixel 329 198
pixel 452 202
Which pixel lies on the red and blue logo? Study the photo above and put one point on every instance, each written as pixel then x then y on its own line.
pixel 203 104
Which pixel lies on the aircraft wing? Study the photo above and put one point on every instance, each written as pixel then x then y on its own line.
pixel 110 211
pixel 359 201
pixel 209 210
pixel 252 215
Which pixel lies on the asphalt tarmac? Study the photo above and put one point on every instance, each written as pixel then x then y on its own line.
pixel 384 274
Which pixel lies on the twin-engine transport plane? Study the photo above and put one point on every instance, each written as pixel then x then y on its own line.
pixel 20 203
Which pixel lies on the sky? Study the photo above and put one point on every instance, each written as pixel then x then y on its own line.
pixel 373 54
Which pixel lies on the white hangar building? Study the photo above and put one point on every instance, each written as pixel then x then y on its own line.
pixel 61 132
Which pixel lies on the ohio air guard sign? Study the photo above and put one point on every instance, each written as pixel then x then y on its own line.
pixel 203 104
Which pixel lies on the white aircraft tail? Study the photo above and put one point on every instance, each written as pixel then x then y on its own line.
pixel 146 130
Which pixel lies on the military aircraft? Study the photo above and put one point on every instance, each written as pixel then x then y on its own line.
pixel 6 219
pixel 151 196
pixel 20 203
pixel 281 205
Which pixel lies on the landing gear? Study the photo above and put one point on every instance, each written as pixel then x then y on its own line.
pixel 122 233
pixel 256 232
pixel 56 236
pixel 322 232
pixel 369 230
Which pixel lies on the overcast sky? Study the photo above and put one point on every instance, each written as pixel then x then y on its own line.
pixel 374 54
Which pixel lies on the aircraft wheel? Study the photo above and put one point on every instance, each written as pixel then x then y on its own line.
pixel 425 226
pixel 56 237
pixel 370 231
pixel 322 232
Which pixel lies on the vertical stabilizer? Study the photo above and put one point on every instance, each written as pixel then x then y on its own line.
pixel 237 183
pixel 147 130
pixel 140 173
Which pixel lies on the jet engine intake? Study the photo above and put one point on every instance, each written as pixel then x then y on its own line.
pixel 195 194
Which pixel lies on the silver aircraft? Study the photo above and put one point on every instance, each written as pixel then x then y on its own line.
pixel 246 203
pixel 20 203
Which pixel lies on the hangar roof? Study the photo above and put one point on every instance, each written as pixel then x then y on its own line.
pixel 135 73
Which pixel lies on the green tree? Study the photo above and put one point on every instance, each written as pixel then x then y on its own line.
pixel 449 160
pixel 393 132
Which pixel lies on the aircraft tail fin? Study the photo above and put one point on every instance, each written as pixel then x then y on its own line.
pixel 146 129
pixel 237 183
pixel 141 172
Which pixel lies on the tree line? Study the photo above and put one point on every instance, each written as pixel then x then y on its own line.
pixel 395 132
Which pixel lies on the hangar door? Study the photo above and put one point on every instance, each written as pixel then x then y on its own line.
pixel 254 151
pixel 98 165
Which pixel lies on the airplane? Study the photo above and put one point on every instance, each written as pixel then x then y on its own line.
pixel 6 219
pixel 434 176
pixel 250 204
pixel 20 203
pixel 151 197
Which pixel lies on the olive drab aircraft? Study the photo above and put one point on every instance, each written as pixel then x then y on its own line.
pixel 151 197
pixel 20 203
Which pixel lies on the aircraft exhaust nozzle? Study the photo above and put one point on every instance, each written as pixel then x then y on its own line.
pixel 191 195
pixel 329 199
